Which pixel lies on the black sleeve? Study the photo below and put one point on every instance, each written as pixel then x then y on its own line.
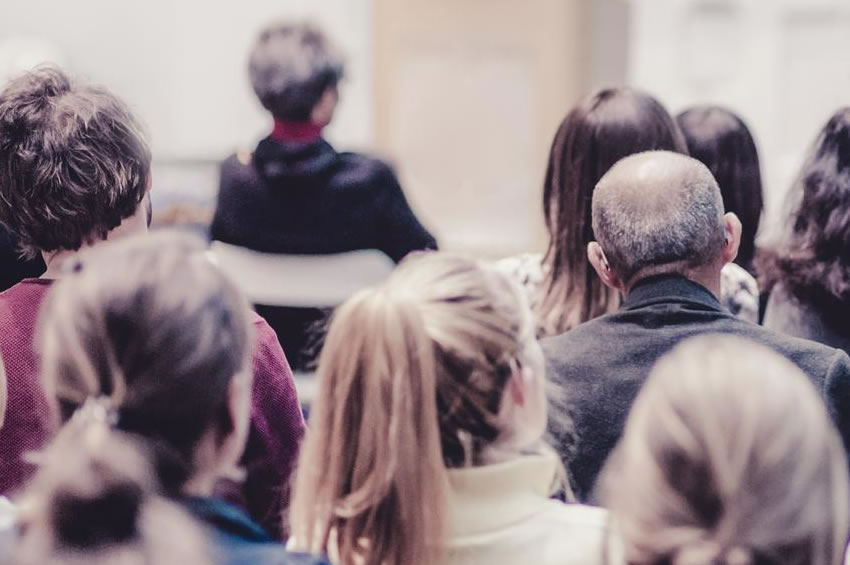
pixel 399 230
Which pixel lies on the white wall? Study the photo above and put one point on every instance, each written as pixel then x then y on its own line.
pixel 782 64
pixel 181 63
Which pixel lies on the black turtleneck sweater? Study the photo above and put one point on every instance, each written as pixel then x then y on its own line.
pixel 305 198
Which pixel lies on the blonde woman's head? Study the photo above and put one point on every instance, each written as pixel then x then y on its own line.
pixel 729 458
pixel 436 368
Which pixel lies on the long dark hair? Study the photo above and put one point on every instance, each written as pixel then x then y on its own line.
pixel 722 141
pixel 811 259
pixel 608 125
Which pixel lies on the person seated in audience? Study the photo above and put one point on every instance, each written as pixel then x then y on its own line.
pixel 807 273
pixel 722 142
pixel 426 442
pixel 662 240
pixel 606 126
pixel 729 458
pixel 74 171
pixel 150 335
pixel 295 193
pixel 95 500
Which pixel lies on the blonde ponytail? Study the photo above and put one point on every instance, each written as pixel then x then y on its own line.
pixel 411 380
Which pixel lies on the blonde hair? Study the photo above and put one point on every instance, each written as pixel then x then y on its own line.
pixel 148 322
pixel 411 377
pixel 95 501
pixel 729 458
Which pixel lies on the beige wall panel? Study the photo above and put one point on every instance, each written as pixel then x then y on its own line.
pixel 468 96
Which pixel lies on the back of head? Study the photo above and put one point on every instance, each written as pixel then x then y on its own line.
pixel 151 325
pixel 74 162
pixel 412 377
pixel 608 125
pixel 291 66
pixel 811 258
pixel 95 500
pixel 723 143
pixel 729 458
pixel 658 212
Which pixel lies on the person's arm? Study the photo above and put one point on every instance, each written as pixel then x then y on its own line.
pixel 277 427
pixel 399 230
pixel 837 393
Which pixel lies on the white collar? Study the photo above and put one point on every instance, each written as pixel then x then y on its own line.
pixel 490 497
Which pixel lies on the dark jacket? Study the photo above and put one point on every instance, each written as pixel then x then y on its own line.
pixel 309 199
pixel 600 365
pixel 238 540
pixel 305 198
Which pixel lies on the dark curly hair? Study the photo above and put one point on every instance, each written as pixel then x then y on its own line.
pixel 721 140
pixel 811 259
pixel 74 162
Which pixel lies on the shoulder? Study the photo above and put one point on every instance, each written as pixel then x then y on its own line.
pixel 357 168
pixel 238 168
pixel 739 292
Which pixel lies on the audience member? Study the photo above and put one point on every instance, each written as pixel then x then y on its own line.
pixel 661 240
pixel 296 194
pixel 808 274
pixel 95 501
pixel 729 458
pixel 426 440
pixel 75 170
pixel 153 334
pixel 608 125
pixel 723 143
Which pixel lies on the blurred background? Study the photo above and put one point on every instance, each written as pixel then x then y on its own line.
pixel 461 96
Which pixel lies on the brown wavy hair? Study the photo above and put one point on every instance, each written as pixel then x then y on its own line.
pixel 74 162
pixel 608 125
pixel 810 260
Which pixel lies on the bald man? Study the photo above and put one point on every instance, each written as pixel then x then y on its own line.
pixel 662 240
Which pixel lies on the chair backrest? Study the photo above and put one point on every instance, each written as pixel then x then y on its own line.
pixel 301 280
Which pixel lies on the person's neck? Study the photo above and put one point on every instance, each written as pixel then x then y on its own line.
pixel 57 261
pixel 706 276
pixel 296 132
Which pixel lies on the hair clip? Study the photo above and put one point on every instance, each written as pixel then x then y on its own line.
pixel 98 409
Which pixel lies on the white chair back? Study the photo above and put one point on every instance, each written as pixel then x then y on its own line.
pixel 301 280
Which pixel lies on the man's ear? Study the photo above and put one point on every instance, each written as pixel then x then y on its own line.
pixel 600 264
pixel 731 237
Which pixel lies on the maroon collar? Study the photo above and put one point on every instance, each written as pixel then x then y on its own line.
pixel 300 132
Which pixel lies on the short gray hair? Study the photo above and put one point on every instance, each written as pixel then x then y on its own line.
pixel 658 209
pixel 291 66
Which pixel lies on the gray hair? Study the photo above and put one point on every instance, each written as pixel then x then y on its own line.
pixel 658 210
pixel 728 457
pixel 291 66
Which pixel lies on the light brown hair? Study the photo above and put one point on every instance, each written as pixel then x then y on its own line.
pixel 95 501
pixel 729 458
pixel 150 324
pixel 411 377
